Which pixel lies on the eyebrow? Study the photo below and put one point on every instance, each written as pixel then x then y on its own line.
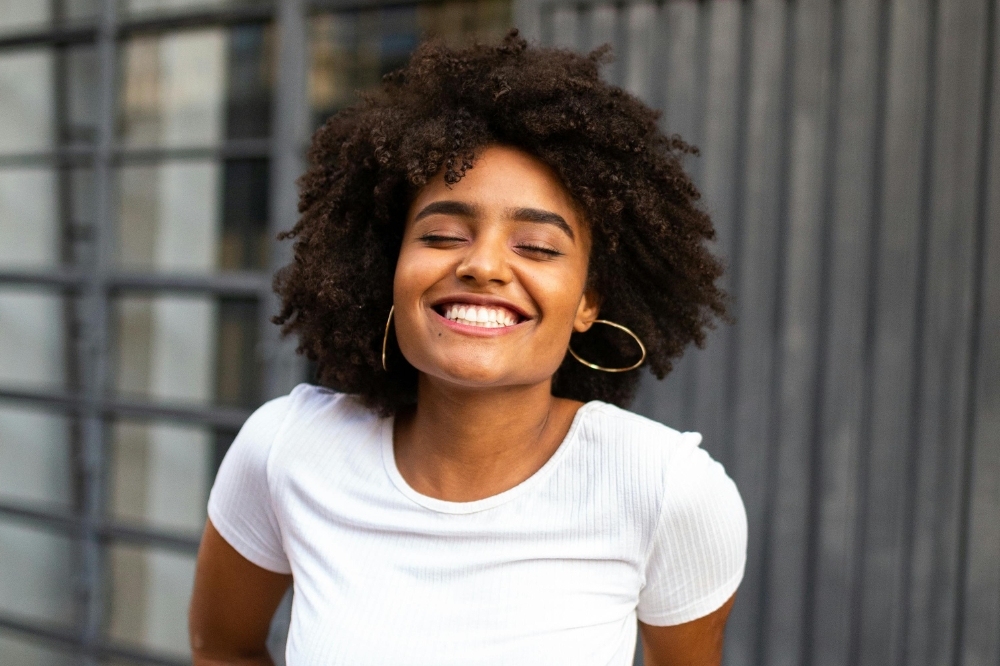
pixel 522 214
pixel 543 216
pixel 447 208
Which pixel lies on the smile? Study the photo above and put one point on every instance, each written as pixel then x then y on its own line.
pixel 479 316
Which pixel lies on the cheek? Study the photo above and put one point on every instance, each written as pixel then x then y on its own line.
pixel 558 297
pixel 416 271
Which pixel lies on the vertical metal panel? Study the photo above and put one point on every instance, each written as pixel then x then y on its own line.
pixel 980 643
pixel 799 334
pixel 849 161
pixel 851 192
pixel 882 586
pixel 722 112
pixel 947 320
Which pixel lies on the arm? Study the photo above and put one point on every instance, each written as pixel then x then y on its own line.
pixel 232 605
pixel 695 643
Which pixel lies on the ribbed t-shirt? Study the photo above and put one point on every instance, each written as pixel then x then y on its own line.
pixel 628 519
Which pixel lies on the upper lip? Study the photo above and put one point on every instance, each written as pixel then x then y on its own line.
pixel 478 299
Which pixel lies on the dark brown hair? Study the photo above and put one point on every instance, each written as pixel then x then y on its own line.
pixel 649 261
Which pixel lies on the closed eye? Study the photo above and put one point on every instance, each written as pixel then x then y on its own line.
pixel 433 238
pixel 543 250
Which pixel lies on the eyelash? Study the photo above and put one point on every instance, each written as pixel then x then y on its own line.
pixel 543 250
pixel 431 238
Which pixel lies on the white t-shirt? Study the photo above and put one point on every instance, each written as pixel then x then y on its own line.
pixel 627 519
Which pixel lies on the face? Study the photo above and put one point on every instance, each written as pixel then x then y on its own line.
pixel 491 277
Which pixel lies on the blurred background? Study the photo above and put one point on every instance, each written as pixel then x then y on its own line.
pixel 850 155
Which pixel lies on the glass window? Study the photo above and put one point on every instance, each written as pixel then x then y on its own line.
pixel 195 216
pixel 149 594
pixel 36 579
pixel 26 101
pixel 45 216
pixel 35 457
pixel 160 474
pixel 251 60
pixel 194 349
pixel 31 653
pixel 33 117
pixel 166 347
pixel 245 242
pixel 29 230
pixel 32 339
pixel 19 15
pixel 168 216
pixel 173 89
pixel 197 87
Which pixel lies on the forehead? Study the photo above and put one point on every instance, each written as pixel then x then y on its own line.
pixel 504 177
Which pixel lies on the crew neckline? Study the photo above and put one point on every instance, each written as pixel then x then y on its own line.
pixel 447 506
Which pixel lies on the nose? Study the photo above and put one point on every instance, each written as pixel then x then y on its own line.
pixel 485 262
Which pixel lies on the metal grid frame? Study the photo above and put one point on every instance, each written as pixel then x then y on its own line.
pixel 95 282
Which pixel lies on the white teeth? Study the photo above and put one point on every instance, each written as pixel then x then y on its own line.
pixel 471 315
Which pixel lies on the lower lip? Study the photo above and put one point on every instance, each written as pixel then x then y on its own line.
pixel 479 331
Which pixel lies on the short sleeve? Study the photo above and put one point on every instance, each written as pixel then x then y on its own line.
pixel 239 504
pixel 698 554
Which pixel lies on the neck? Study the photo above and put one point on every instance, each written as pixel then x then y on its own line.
pixel 461 445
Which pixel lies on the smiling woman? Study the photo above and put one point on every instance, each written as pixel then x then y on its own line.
pixel 465 487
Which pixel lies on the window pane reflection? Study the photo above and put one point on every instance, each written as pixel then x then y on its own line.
pixel 28 652
pixel 195 216
pixel 168 217
pixel 36 579
pixel 149 595
pixel 166 347
pixel 30 119
pixel 45 215
pixel 18 15
pixel 35 457
pixel 172 89
pixel 160 474
pixel 187 349
pixel 197 87
pixel 32 339
pixel 26 101
pixel 29 231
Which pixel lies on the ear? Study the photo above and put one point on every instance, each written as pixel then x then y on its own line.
pixel 587 311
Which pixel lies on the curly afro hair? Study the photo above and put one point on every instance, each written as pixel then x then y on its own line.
pixel 649 262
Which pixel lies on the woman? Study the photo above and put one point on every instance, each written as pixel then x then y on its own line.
pixel 491 244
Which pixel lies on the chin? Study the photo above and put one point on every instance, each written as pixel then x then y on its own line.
pixel 481 374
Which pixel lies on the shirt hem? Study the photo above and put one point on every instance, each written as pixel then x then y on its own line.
pixel 696 609
pixel 249 552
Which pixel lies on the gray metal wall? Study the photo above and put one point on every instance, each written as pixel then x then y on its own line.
pixel 850 155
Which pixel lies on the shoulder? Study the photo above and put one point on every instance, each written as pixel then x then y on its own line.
pixel 634 435
pixel 676 475
pixel 286 418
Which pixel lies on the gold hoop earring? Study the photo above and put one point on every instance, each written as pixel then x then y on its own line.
pixel 385 338
pixel 635 337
